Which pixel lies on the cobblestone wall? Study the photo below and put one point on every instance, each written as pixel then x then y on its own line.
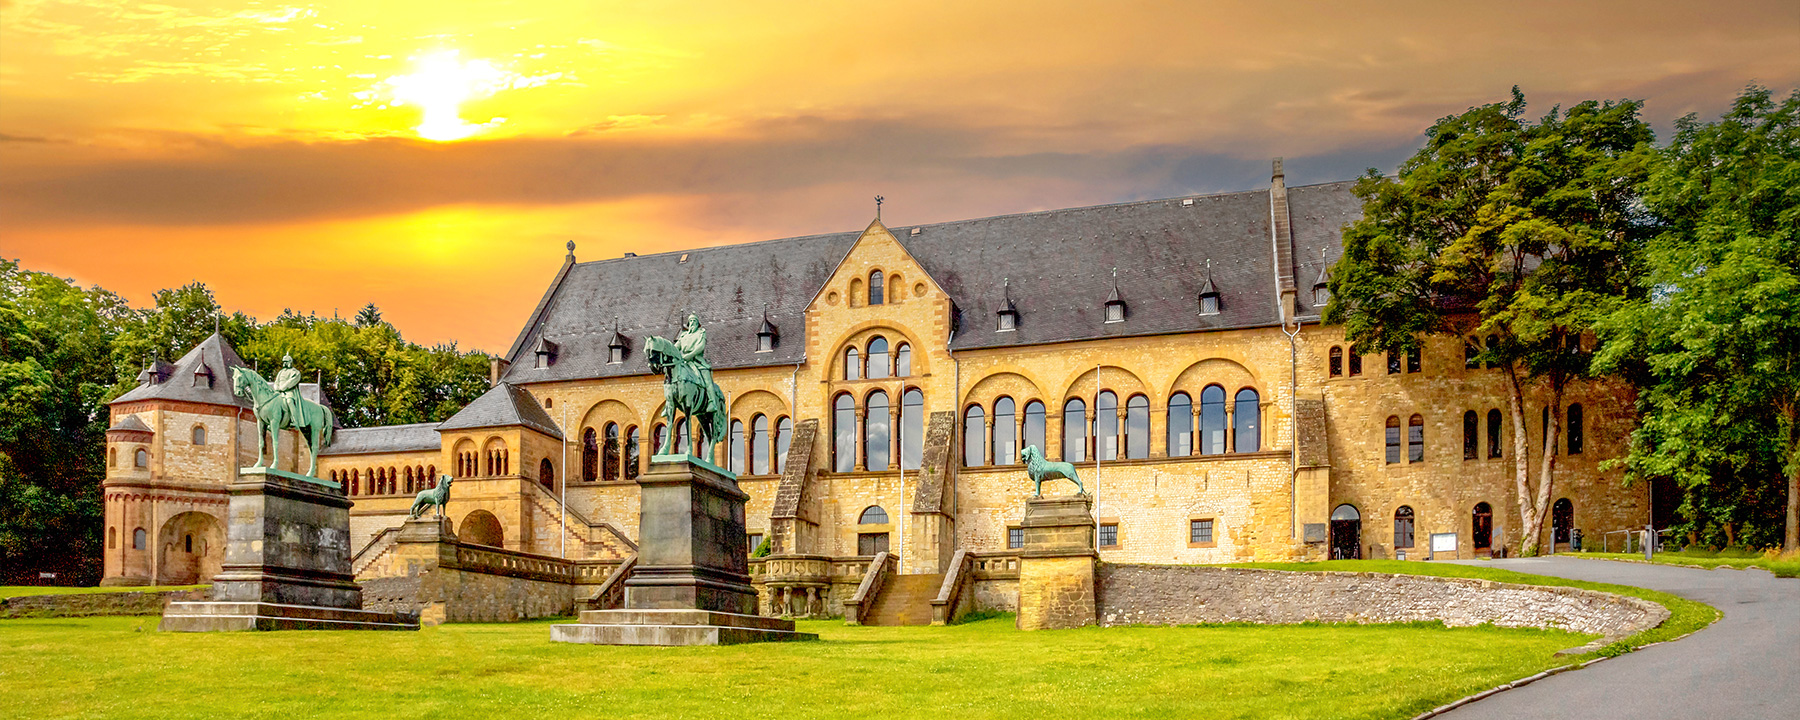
pixel 1176 595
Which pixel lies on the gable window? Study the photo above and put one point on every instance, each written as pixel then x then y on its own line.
pixel 1008 321
pixel 1337 361
pixel 765 342
pixel 1393 439
pixel 1321 295
pixel 615 355
pixel 1209 304
pixel 876 287
pixel 1115 312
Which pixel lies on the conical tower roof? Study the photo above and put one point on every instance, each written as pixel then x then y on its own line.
pixel 203 375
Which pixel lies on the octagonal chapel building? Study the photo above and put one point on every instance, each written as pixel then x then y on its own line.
pixel 883 383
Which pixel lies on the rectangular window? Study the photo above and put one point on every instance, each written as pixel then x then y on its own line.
pixel 1015 538
pixel 1200 532
pixel 1413 361
pixel 1393 362
pixel 871 543
pixel 755 539
pixel 1109 535
pixel 1355 363
pixel 1576 432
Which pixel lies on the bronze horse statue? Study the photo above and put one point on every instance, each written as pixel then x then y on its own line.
pixel 315 421
pixel 688 387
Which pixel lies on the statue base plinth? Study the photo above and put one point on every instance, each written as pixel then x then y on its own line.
pixel 1056 564
pixel 691 585
pixel 287 562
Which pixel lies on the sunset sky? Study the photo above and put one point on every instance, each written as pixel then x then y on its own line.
pixel 434 157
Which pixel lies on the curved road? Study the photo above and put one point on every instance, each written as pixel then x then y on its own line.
pixel 1746 665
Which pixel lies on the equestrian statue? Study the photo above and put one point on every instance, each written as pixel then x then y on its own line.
pixel 1039 470
pixel 279 407
pixel 688 387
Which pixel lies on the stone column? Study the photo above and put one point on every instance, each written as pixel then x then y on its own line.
pixel 1056 566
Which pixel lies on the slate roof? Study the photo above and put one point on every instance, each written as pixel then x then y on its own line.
pixel 387 438
pixel 130 423
pixel 1054 266
pixel 503 405
pixel 182 384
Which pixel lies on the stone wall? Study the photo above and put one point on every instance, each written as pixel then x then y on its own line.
pixel 1180 595
pixel 91 604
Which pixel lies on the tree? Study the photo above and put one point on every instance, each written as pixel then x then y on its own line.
pixel 1506 227
pixel 1714 338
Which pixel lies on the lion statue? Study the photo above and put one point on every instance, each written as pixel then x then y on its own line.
pixel 1039 470
pixel 433 497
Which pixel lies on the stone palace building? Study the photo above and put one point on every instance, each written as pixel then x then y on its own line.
pixel 882 384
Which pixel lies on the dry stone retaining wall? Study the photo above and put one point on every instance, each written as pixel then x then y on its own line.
pixel 92 604
pixel 1180 595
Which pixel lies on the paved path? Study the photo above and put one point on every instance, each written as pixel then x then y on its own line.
pixel 1745 666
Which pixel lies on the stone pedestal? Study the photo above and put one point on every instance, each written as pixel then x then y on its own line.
pixel 691 585
pixel 1056 565
pixel 287 562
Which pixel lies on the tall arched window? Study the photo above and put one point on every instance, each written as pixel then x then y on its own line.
pixel 974 432
pixel 784 433
pixel 759 444
pixel 355 485
pixel 1074 439
pixel 1493 433
pixel 683 430
pixel 1005 447
pixel 735 448
pixel 1246 421
pixel 1493 347
pixel 406 474
pixel 878 438
pixel 431 472
pixel 199 435
pixel 1181 425
pixel 1577 435
pixel 912 429
pixel 609 460
pixel 1106 426
pixel 878 358
pixel 659 436
pixel 1403 527
pixel 843 433
pixel 590 456
pixel 903 360
pixel 1415 439
pixel 1212 420
pixel 1034 426
pixel 1137 427
pixel 852 364
pixel 1337 361
pixel 876 285
pixel 1393 439
pixel 1471 435
pixel 633 454
pixel 1355 362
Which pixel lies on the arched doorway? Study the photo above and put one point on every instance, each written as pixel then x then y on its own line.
pixel 1481 530
pixel 1346 533
pixel 193 547
pixel 1562 517
pixel 481 528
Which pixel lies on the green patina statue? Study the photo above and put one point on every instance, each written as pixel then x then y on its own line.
pixel 1039 470
pixel 688 387
pixel 433 497
pixel 279 407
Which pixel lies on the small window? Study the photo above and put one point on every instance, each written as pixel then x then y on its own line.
pixel 1009 321
pixel 1209 304
pixel 187 543
pixel 1109 535
pixel 615 355
pixel 1415 439
pixel 1493 346
pixel 1471 353
pixel 1200 532
pixel 1403 527
pixel 112 538
pixel 112 456
pixel 1471 435
pixel 752 541
pixel 876 285
pixel 137 539
pixel 1576 433
pixel 1115 312
pixel 871 543
pixel 1393 439
pixel 1355 362
pixel 1493 433
pixel 548 403
pixel 199 435
pixel 1337 361
pixel 1413 361
pixel 543 361
pixel 765 343
pixel 1394 361
pixel 1015 538
pixel 874 515
pixel 1321 296
pixel 141 458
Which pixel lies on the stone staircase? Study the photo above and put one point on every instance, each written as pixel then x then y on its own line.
pixel 905 600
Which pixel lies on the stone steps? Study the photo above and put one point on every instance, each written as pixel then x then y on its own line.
pixel 905 600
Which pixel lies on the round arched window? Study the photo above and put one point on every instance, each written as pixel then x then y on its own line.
pixel 874 515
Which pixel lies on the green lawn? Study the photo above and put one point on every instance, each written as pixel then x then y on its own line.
pixel 1789 567
pixel 7 591
pixel 121 667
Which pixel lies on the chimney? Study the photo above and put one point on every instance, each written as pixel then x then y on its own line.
pixel 1282 238
pixel 496 368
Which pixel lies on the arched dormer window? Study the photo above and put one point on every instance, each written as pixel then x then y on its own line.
pixel 877 286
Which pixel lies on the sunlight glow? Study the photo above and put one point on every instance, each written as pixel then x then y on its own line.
pixel 440 84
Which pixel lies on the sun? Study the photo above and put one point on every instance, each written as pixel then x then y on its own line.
pixel 439 84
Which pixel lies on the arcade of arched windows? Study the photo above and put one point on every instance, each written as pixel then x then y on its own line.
pixel 876 359
pixel 1103 427
pixel 385 480
pixel 876 431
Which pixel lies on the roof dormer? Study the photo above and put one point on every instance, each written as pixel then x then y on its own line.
pixel 546 352
pixel 155 373
pixel 203 376
pixel 1006 315
pixel 766 335
pixel 1209 294
pixel 1115 306
pixel 616 347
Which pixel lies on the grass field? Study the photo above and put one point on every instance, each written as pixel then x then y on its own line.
pixel 7 591
pixel 121 667
pixel 1780 565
